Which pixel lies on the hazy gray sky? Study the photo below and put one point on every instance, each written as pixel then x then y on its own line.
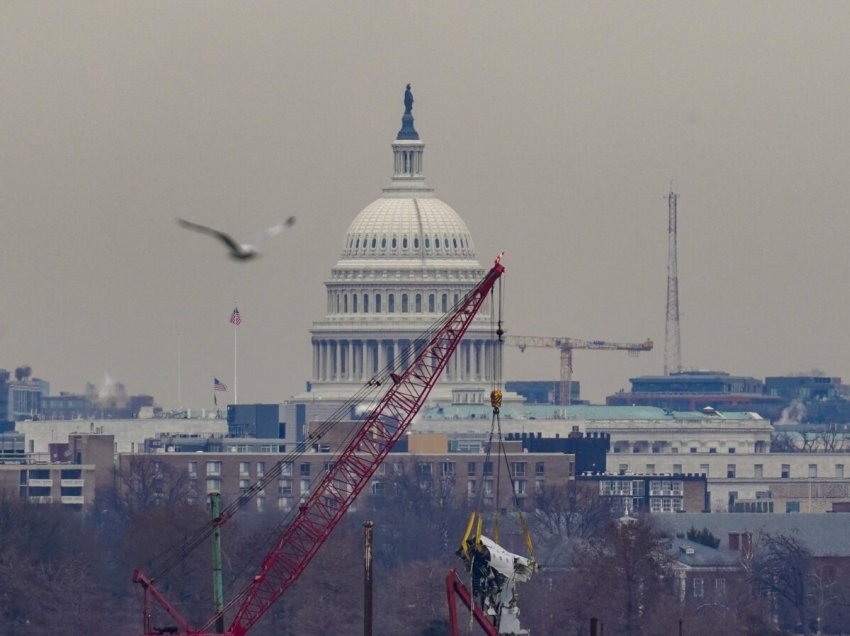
pixel 554 129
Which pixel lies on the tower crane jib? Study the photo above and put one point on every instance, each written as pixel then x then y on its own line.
pixel 566 347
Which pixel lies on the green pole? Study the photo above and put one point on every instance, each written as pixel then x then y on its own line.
pixel 218 588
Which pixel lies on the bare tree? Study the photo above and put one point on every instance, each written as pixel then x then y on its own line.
pixel 623 575
pixel 145 482
pixel 572 511
pixel 830 439
pixel 780 568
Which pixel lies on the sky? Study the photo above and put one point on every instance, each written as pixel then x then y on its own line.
pixel 555 129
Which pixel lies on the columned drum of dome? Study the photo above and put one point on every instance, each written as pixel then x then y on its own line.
pixel 406 259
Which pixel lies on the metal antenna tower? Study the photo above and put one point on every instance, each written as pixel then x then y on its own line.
pixel 672 340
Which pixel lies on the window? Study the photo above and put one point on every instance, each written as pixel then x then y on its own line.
pixel 712 450
pixel 622 469
pixel 470 487
pixel 650 469
pixel 731 451
pixel 792 506
pixel 677 469
pixel 488 486
pixel 720 586
pixel 519 487
pixel 518 469
pixel 404 303
pixel 284 487
pixel 813 470
pixel 703 469
pixel 488 468
pixel 377 303
pixel 447 469
pixel 444 303
pixel 423 469
pixel 539 484
pixel 193 469
pixel 665 487
pixel 286 469
pixel 213 484
pixel 470 469
pixel 540 468
pixel 213 468
pixel 431 303
pixel 758 471
pixel 693 449
pixel 391 303
pixel 698 588
pixel 284 503
pixel 244 484
pixel 354 303
pixel 244 469
pixel 304 489
pixel 304 470
pixel 786 471
pixel 261 469
pixel 365 303
pixel 418 304
pixel 839 471
pixel 730 471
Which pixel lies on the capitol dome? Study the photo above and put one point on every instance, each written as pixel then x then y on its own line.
pixel 407 259
pixel 396 227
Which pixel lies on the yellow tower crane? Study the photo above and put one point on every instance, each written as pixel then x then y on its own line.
pixel 566 346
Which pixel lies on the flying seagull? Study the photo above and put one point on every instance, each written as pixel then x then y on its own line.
pixel 240 251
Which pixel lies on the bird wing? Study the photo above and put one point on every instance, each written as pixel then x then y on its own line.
pixel 274 230
pixel 225 238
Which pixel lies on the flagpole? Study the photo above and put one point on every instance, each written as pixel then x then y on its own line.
pixel 179 376
pixel 235 384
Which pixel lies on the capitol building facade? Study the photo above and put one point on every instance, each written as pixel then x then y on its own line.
pixel 407 259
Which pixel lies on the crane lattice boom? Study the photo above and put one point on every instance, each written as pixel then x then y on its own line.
pixel 566 346
pixel 355 466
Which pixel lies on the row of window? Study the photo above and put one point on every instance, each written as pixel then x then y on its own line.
pixel 443 243
pixel 732 470
pixel 447 469
pixel 360 303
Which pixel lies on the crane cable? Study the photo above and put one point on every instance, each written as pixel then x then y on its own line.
pixel 497 337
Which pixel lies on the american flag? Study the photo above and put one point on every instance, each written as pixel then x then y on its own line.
pixel 235 318
pixel 218 385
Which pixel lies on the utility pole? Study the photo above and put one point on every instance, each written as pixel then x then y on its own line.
pixel 672 340
pixel 367 580
pixel 218 588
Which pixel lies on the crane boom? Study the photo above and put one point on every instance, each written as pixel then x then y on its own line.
pixel 356 464
pixel 566 346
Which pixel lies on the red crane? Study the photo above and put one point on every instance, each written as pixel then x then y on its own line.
pixel 328 502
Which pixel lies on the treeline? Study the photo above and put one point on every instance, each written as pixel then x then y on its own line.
pixel 63 572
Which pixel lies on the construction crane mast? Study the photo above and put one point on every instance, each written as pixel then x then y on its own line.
pixel 328 502
pixel 566 346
